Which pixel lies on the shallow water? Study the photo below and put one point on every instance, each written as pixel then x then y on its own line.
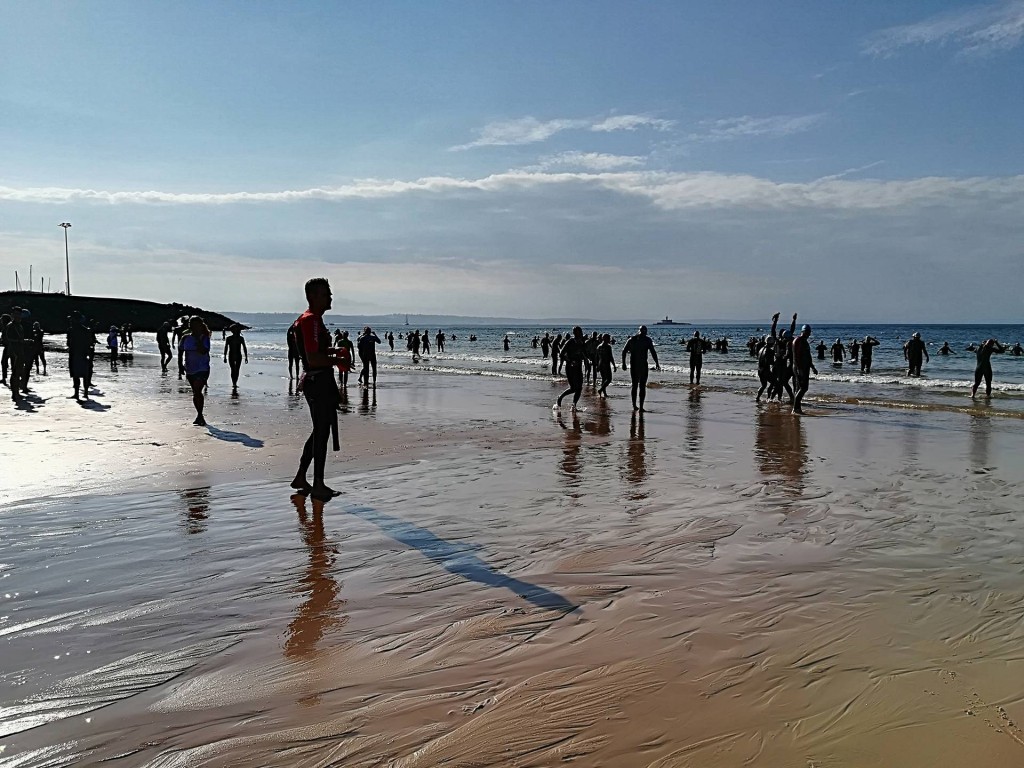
pixel 708 585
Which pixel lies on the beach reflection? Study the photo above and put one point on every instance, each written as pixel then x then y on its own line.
pixel 780 448
pixel 197 509
pixel 694 421
pixel 601 424
pixel 321 610
pixel 981 436
pixel 636 471
pixel 570 466
pixel 368 403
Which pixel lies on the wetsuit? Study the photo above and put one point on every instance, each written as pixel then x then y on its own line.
pixel 321 393
pixel 367 346
pixel 545 345
pixel 765 358
pixel 14 346
pixel 163 343
pixel 915 351
pixel 555 346
pixel 854 351
pixel 294 358
pixel 866 352
pixel 983 370
pixel 802 366
pixel 234 344
pixel 822 349
pixel 638 347
pixel 573 353
pixel 782 370
pixel 80 343
pixel 590 358
pixel 838 352
pixel 605 363
pixel 696 349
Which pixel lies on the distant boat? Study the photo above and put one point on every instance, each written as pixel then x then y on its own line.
pixel 406 319
pixel 669 321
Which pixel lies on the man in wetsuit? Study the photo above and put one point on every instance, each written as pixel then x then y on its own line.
pixel 765 359
pixel 163 342
pixel 637 347
pixel 913 351
pixel 984 367
pixel 14 346
pixel 439 341
pixel 556 345
pixel 39 353
pixel 867 349
pixel 366 346
pixel 1017 350
pixel 545 345
pixel 590 359
pixel 5 320
pixel 573 353
pixel 803 364
pixel 605 363
pixel 854 351
pixel 234 348
pixel 945 349
pixel 294 359
pixel 318 387
pixel 838 352
pixel 695 346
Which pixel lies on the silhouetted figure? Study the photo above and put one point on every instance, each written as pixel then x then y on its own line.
pixel 234 349
pixel 572 352
pixel 294 358
pixel 506 343
pixel 545 345
pixel 913 352
pixel 81 346
pixel 984 366
pixel 605 363
pixel 945 349
pixel 163 342
pixel 346 357
pixel 112 343
pixel 194 360
pixel 556 345
pixel 695 346
pixel 38 353
pixel 637 347
pixel 838 352
pixel 366 345
pixel 867 351
pixel 803 364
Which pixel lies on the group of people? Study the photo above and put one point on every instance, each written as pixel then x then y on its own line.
pixel 22 348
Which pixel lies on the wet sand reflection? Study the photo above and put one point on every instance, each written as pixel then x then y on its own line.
pixel 635 469
pixel 780 448
pixel 197 509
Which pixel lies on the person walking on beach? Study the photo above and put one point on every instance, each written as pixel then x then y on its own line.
pixel 984 366
pixel 39 354
pixel 556 345
pixel 112 341
pixel 15 346
pixel 573 353
pixel 194 360
pixel 765 359
pixel 867 350
pixel 346 358
pixel 913 351
pixel 367 346
pixel 590 360
pixel 803 364
pixel 163 342
pixel 318 387
pixel 293 352
pixel 695 346
pixel 234 348
pixel 637 347
pixel 605 363
pixel 81 344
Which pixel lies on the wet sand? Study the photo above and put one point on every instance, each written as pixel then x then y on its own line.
pixel 716 584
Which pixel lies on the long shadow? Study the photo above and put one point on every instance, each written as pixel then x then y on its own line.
pixel 235 437
pixel 30 402
pixel 458 559
pixel 92 405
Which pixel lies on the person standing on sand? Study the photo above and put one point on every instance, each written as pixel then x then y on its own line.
pixel 984 367
pixel 234 348
pixel 367 346
pixel 605 363
pixel 803 364
pixel 318 387
pixel 5 320
pixel 638 347
pixel 14 345
pixel 294 358
pixel 695 347
pixel 913 351
pixel 112 346
pixel 194 360
pixel 80 350
pixel 163 341
pixel 39 354
pixel 573 352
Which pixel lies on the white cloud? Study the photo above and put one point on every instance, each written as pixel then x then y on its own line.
pixel 530 130
pixel 730 128
pixel 666 190
pixel 631 123
pixel 591 161
pixel 980 30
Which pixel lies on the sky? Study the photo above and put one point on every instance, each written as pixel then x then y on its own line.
pixel 855 162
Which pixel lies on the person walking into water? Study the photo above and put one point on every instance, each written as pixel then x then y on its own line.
pixel 318 387
pixel 983 370
pixel 573 352
pixel 913 351
pixel 346 358
pixel 695 346
pixel 867 350
pixel 367 346
pixel 803 364
pixel 390 336
pixel 506 343
pixel 556 345
pixel 838 352
pixel 194 360
pixel 545 345
pixel 605 363
pixel 234 348
pixel 163 343
pixel 637 347
pixel 765 360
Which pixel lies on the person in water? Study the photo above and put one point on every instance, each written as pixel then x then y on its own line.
pixel 765 360
pixel 822 349
pixel 366 344
pixel 867 350
pixel 803 364
pixel 945 349
pixel 163 343
pixel 573 352
pixel 545 345
pixel 390 336
pixel 838 352
pixel 294 359
pixel 637 347
pixel 605 363
pixel 1017 350
pixel 346 357
pixel 506 343
pixel 782 367
pixel 318 387
pixel 913 351
pixel 194 360
pixel 983 370
pixel 854 350
pixel 556 345
pixel 425 342
pixel 81 345
pixel 695 346
pixel 439 341
pixel 234 349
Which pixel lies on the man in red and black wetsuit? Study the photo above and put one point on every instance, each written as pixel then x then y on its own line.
pixel 318 386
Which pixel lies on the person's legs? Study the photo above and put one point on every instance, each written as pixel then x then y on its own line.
pixel 700 364
pixel 988 382
pixel 642 387
pixel 803 381
pixel 634 385
pixel 197 382
pixel 764 385
pixel 692 368
pixel 373 368
pixel 236 365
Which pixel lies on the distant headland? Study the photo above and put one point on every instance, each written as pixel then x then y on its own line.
pixel 51 311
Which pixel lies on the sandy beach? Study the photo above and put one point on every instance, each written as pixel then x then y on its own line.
pixel 716 583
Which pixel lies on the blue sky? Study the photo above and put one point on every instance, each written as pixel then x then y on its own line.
pixel 853 161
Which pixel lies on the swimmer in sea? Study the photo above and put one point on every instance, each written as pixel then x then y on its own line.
pixel 695 346
pixel 234 348
pixel 572 353
pixel 854 350
pixel 1017 350
pixel 838 352
pixel 913 351
pixel 637 347
pixel 867 348
pixel 945 349
pixel 605 363
pixel 506 343
pixel 822 349
pixel 803 364
pixel 984 367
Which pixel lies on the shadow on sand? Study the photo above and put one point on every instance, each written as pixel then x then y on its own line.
pixel 458 559
pixel 235 437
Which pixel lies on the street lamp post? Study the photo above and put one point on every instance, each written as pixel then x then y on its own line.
pixel 67 262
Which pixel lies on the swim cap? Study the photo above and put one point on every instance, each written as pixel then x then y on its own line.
pixel 805 329
pixel 916 336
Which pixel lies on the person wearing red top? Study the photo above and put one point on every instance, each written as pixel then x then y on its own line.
pixel 318 386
